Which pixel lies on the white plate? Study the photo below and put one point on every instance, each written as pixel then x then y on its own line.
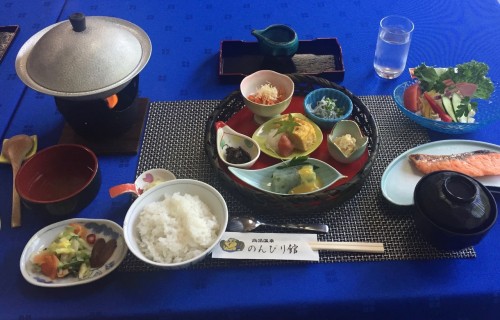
pixel 400 177
pixel 101 228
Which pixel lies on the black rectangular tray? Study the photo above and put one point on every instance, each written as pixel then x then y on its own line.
pixel 7 35
pixel 320 57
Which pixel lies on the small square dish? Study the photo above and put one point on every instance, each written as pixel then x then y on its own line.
pixel 319 57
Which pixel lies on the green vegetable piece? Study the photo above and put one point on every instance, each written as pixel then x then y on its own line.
pixel 448 107
pixel 296 161
pixel 463 108
pixel 469 72
pixel 426 76
pixel 83 272
pixel 287 125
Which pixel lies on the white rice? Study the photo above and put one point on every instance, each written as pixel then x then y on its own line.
pixel 176 229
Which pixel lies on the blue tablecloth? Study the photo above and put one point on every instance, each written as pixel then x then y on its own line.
pixel 184 66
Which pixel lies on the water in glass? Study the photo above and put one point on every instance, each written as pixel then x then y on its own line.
pixel 391 52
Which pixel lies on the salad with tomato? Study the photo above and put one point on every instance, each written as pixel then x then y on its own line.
pixel 448 94
pixel 68 254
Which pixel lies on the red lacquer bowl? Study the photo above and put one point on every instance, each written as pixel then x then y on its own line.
pixel 59 180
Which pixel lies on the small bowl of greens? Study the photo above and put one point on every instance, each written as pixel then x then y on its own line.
pixel 453 100
pixel 327 106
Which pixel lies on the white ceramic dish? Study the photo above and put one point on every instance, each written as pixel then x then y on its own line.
pixel 101 228
pixel 260 136
pixel 251 83
pixel 400 177
pixel 346 127
pixel 262 178
pixel 227 137
pixel 206 193
pixel 144 181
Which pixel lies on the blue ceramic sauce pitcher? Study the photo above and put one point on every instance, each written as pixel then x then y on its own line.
pixel 277 40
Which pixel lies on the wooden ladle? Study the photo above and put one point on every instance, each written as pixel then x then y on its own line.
pixel 15 150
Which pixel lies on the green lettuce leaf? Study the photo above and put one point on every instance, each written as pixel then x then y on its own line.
pixel 471 72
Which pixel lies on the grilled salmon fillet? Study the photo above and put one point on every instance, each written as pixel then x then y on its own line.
pixel 475 164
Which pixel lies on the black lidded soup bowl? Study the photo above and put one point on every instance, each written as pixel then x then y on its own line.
pixel 453 211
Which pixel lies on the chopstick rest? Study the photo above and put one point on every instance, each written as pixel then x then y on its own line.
pixel 366 247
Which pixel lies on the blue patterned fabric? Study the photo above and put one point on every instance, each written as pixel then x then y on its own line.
pixel 186 38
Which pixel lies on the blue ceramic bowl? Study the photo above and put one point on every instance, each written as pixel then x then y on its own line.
pixel 487 112
pixel 342 101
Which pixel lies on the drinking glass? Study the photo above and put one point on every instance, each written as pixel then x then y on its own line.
pixel 393 43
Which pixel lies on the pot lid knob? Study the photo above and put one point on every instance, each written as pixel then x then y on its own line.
pixel 77 20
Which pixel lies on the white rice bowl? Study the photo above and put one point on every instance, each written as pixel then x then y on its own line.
pixel 176 223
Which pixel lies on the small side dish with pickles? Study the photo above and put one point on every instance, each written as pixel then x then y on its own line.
pixel 73 253
pixel 234 148
pixel 327 108
pixel 346 143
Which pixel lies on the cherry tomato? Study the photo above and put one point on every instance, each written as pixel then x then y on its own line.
pixel 91 238
pixel 285 147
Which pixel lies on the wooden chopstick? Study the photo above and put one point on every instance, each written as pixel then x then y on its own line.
pixel 368 247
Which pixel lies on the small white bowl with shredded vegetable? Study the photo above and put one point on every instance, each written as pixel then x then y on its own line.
pixel 267 94
pixel 327 106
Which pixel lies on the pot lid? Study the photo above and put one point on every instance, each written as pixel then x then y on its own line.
pixel 83 57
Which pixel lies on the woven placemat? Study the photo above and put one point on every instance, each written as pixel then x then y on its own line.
pixel 173 139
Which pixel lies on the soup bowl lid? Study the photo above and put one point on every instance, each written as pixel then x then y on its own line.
pixel 455 202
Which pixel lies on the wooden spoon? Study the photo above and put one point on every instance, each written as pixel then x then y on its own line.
pixel 15 150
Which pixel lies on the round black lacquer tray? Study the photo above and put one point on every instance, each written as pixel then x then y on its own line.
pixel 315 202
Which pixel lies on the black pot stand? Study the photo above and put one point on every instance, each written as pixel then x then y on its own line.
pixel 127 142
